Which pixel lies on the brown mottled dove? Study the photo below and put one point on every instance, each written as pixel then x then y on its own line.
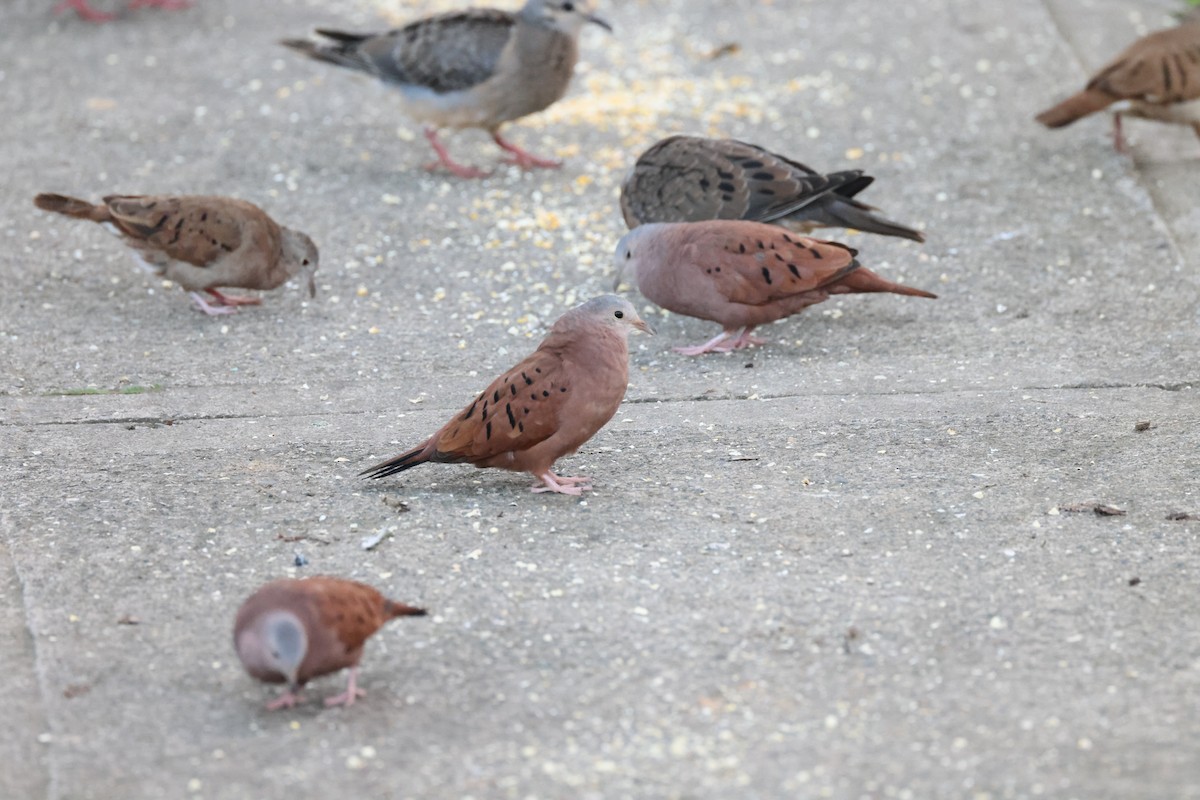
pixel 691 178
pixel 740 274
pixel 201 243
pixel 1157 77
pixel 545 407
pixel 477 68
pixel 291 631
pixel 85 11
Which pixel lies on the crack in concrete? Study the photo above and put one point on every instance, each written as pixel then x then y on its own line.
pixel 633 401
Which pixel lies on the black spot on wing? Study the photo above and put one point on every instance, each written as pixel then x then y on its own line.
pixel 766 273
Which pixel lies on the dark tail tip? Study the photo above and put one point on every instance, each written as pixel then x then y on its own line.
pixel 400 463
pixel 394 609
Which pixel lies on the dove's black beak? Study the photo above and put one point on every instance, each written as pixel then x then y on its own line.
pixel 598 21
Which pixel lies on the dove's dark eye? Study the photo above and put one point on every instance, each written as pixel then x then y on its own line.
pixel 619 314
pixel 628 255
pixel 568 6
pixel 305 262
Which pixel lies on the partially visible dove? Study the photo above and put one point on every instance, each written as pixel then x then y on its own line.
pixel 691 178
pixel 291 631
pixel 477 68
pixel 200 242
pixel 545 407
pixel 740 274
pixel 85 11
pixel 1157 77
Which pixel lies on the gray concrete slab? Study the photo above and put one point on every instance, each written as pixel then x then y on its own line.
pixel 835 566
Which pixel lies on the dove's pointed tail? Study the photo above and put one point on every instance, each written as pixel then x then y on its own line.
pixel 392 609
pixel 415 457
pixel 341 49
pixel 72 207
pixel 840 210
pixel 862 281
pixel 1074 107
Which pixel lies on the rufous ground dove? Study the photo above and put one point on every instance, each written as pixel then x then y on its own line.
pixel 740 274
pixel 477 68
pixel 201 243
pixel 545 407
pixel 85 11
pixel 291 631
pixel 691 178
pixel 1157 77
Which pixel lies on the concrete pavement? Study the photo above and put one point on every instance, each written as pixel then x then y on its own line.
pixel 834 566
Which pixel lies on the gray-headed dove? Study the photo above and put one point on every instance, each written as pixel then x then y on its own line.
pixel 477 68
pixel 201 243
pixel 1157 77
pixel 740 274
pixel 85 11
pixel 691 178
pixel 545 407
pixel 291 631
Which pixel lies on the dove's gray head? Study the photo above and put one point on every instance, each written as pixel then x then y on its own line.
pixel 608 311
pixel 276 642
pixel 636 248
pixel 300 257
pixel 567 16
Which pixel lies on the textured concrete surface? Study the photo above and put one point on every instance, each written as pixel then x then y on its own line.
pixel 834 566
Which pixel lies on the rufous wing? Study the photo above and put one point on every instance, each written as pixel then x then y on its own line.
pixel 353 610
pixel 769 265
pixel 191 229
pixel 519 410
pixel 1163 67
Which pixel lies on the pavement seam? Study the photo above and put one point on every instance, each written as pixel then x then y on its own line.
pixel 46 765
pixel 1181 386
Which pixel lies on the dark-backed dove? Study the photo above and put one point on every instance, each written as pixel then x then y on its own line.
pixel 740 274
pixel 477 68
pixel 691 178
pixel 85 11
pixel 1157 77
pixel 291 631
pixel 201 243
pixel 545 407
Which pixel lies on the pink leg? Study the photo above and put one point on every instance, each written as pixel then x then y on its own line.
pixel 84 11
pixel 523 158
pixel 233 299
pixel 351 694
pixel 444 159
pixel 1119 143
pixel 744 339
pixel 169 5
pixel 285 700
pixel 208 308
pixel 553 483
pixel 713 345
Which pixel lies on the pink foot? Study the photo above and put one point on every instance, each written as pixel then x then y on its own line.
pixel 234 299
pixel 744 340
pixel 523 158
pixel 208 308
pixel 84 11
pixel 351 694
pixel 169 5
pixel 724 343
pixel 285 700
pixel 562 485
pixel 444 159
